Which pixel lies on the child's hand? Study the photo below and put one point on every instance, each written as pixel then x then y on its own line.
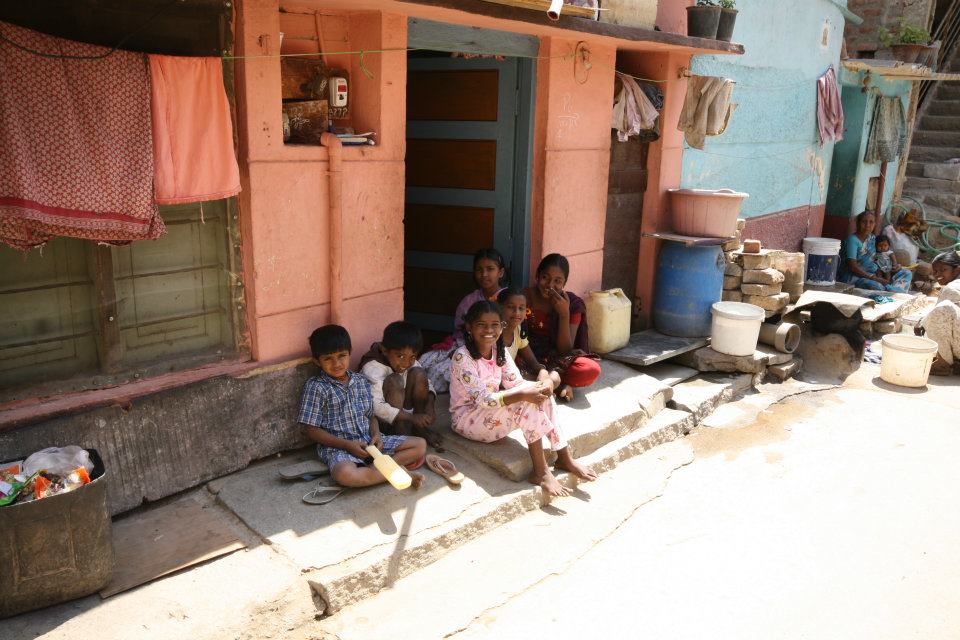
pixel 537 395
pixel 357 449
pixel 421 420
pixel 376 440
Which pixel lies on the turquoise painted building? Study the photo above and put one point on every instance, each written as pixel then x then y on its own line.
pixel 850 189
pixel 771 147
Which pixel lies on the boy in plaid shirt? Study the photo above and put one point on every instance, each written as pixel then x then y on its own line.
pixel 336 409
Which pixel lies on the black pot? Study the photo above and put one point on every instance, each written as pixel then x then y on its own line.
pixel 728 18
pixel 702 22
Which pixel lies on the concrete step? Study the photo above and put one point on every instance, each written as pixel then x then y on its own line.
pixel 522 553
pixel 940 123
pixel 948 201
pixel 701 396
pixel 620 401
pixel 949 139
pixel 940 107
pixel 948 91
pixel 917 186
pixel 928 153
pixel 915 168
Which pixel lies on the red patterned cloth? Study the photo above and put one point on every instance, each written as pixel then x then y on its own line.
pixel 76 152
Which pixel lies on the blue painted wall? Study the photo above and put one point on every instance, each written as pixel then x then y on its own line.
pixel 850 177
pixel 771 148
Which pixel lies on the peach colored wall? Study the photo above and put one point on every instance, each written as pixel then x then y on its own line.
pixel 285 209
pixel 663 161
pixel 672 15
pixel 572 157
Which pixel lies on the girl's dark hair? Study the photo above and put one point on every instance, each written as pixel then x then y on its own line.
pixel 508 293
pixel 490 254
pixel 473 314
pixel 554 260
pixel 949 258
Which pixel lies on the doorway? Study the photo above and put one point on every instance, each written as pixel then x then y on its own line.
pixel 469 132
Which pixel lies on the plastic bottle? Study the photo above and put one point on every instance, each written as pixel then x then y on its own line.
pixel 394 473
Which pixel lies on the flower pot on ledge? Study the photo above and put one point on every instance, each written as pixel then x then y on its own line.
pixel 912 53
pixel 728 18
pixel 702 22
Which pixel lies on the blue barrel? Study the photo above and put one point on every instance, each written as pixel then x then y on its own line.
pixel 689 281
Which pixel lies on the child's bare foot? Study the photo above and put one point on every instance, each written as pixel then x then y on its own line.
pixel 549 483
pixel 433 439
pixel 565 392
pixel 582 471
pixel 416 480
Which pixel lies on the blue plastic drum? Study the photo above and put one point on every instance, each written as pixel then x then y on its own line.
pixel 689 281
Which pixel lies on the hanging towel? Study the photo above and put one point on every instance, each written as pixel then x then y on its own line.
pixel 888 132
pixel 192 131
pixel 632 111
pixel 76 157
pixel 706 109
pixel 829 107
pixel 653 93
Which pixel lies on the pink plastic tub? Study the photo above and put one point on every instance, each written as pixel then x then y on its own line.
pixel 705 213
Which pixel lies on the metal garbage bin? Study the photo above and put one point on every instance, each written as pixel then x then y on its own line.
pixel 56 549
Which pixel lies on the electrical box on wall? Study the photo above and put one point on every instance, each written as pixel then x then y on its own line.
pixel 338 91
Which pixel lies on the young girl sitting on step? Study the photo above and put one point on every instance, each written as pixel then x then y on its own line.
pixel 513 311
pixel 489 398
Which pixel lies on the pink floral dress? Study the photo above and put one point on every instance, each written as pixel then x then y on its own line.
pixel 475 391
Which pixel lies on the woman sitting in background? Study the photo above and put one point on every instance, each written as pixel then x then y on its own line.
pixel 942 323
pixel 858 264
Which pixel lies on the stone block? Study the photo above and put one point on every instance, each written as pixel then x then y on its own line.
pixel 866 328
pixel 751 246
pixel 762 260
pixel 792 265
pixel 787 370
pixel 772 355
pixel 731 245
pixel 883 327
pixel 706 359
pixel 794 291
pixel 733 269
pixel 942 171
pixel 741 224
pixel 772 303
pixel 756 289
pixel 732 296
pixel 762 276
pixel 731 282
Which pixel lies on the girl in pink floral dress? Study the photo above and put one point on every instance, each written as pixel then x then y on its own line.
pixel 489 398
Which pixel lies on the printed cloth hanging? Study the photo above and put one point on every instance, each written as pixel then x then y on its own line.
pixel 829 107
pixel 192 131
pixel 706 109
pixel 888 131
pixel 76 156
pixel 632 111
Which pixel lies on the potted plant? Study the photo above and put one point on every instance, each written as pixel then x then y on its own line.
pixel 703 19
pixel 909 43
pixel 728 18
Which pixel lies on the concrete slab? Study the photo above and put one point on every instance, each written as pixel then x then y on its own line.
pixel 620 401
pixel 837 287
pixel 670 373
pixel 700 397
pixel 650 346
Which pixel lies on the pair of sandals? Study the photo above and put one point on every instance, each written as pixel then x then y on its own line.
pixel 323 494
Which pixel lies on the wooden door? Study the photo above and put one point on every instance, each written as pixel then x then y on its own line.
pixel 461 178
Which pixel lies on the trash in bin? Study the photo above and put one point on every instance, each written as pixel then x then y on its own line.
pixel 45 473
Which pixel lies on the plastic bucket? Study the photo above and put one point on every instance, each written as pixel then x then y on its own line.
pixel 705 213
pixel 823 258
pixel 906 359
pixel 735 328
pixel 689 280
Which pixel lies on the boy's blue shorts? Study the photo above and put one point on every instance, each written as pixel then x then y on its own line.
pixel 332 456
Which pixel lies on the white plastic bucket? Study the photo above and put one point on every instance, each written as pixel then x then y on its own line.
pixel 823 258
pixel 735 328
pixel 906 359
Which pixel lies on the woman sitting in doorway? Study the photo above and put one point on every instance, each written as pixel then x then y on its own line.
pixel 557 327
pixel 942 322
pixel 858 265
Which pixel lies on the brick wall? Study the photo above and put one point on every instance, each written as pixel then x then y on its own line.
pixel 863 41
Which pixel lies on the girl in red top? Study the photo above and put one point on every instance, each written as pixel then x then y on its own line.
pixel 557 327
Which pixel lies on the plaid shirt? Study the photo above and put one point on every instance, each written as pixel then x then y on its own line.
pixel 342 410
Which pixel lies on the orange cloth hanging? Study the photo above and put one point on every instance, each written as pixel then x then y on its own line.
pixel 194 159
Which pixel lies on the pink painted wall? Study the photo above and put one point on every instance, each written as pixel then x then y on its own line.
pixel 285 208
pixel 672 15
pixel 572 158
pixel 663 161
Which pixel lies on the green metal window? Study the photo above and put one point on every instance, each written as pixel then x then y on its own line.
pixel 97 314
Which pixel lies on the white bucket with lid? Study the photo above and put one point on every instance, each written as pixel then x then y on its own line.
pixel 906 359
pixel 735 328
pixel 823 259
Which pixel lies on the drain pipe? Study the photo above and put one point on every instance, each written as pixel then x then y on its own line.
pixel 335 193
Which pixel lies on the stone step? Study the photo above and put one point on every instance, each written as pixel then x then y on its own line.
pixel 521 553
pixel 620 401
pixel 356 578
pixel 943 107
pixel 940 123
pixel 915 168
pixel 928 153
pixel 700 397
pixel 916 186
pixel 948 139
pixel 948 91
